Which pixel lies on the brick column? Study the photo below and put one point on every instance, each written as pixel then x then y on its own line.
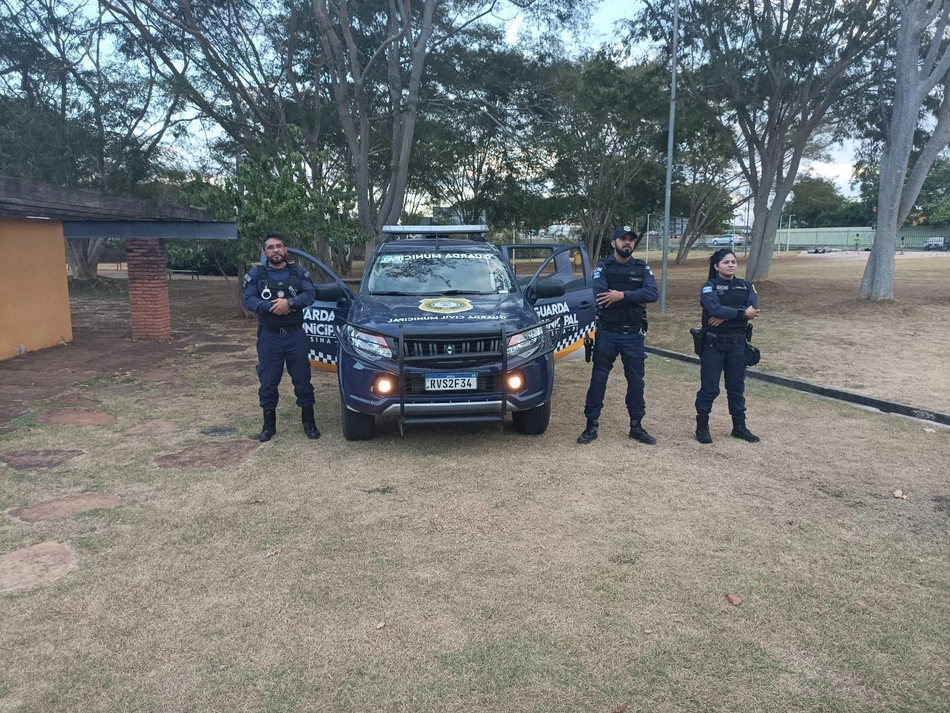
pixel 148 288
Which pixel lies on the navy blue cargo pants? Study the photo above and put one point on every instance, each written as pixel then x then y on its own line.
pixel 630 349
pixel 274 349
pixel 724 355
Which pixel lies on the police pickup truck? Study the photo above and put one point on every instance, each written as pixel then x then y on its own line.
pixel 442 330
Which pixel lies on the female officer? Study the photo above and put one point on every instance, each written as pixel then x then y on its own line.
pixel 729 304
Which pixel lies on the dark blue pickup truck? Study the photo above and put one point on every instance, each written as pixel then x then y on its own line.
pixel 442 330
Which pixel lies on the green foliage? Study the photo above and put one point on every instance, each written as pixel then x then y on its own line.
pixel 275 194
pixel 813 199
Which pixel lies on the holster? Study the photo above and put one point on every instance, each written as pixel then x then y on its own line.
pixel 752 354
pixel 588 348
pixel 699 339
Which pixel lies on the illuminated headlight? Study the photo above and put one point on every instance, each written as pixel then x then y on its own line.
pixel 371 347
pixel 524 344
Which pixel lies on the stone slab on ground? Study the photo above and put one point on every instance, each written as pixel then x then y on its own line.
pixel 156 376
pixel 70 505
pixel 210 455
pixel 34 566
pixel 36 460
pixel 74 417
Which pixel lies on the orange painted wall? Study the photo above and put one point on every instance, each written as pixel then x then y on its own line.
pixel 34 292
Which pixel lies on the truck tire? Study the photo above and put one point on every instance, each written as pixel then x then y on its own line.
pixel 532 421
pixel 357 426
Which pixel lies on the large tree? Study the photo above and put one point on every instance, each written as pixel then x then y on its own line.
pixel 597 130
pixel 80 109
pixel 256 68
pixel 919 83
pixel 768 73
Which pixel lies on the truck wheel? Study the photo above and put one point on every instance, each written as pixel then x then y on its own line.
pixel 357 426
pixel 532 421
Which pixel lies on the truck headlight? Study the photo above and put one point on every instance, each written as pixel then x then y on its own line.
pixel 371 347
pixel 524 344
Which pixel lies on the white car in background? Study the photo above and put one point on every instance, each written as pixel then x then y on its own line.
pixel 728 239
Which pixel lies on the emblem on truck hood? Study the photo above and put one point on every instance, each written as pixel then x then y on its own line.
pixel 445 305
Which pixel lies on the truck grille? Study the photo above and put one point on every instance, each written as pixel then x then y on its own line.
pixel 451 347
pixel 451 352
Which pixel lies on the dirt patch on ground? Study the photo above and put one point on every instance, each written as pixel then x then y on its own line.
pixel 36 460
pixel 221 348
pixel 116 389
pixel 74 417
pixel 239 366
pixel 210 455
pixel 6 429
pixel 65 506
pixel 36 565
pixel 159 375
pixel 76 400
pixel 157 428
pixel 214 338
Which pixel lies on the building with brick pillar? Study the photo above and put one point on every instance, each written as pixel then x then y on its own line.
pixel 42 216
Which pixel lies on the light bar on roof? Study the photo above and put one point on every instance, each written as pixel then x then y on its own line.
pixel 432 229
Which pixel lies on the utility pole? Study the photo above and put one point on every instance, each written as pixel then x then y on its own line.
pixel 669 157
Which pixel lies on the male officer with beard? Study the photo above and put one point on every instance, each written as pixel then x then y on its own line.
pixel 623 285
pixel 278 292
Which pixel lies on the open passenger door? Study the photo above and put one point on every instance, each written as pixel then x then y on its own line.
pixel 570 266
pixel 333 300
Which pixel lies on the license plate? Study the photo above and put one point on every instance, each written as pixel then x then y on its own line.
pixel 451 382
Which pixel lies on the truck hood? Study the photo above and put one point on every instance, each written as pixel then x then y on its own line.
pixel 385 313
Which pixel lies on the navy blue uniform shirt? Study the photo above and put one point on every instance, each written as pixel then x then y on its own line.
pixel 254 284
pixel 647 293
pixel 709 299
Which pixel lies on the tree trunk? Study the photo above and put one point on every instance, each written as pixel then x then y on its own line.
pixel 82 256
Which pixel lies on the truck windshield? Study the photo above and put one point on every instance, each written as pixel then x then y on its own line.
pixel 440 273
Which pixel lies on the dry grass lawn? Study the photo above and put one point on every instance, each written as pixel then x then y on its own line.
pixel 467 569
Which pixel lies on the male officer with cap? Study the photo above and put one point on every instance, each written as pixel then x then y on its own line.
pixel 623 285
pixel 278 292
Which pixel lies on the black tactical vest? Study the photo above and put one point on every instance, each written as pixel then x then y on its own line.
pixel 734 293
pixel 623 278
pixel 273 289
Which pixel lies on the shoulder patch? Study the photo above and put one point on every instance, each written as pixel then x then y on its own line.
pixel 597 271
pixel 707 288
pixel 306 275
pixel 247 278
pixel 649 271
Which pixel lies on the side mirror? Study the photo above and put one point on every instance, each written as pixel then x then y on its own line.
pixel 548 288
pixel 328 292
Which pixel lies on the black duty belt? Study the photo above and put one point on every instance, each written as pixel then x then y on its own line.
pixel 729 337
pixel 621 328
pixel 281 330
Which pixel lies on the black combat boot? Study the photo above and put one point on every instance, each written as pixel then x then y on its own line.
pixel 590 433
pixel 270 426
pixel 740 431
pixel 309 425
pixel 639 433
pixel 702 428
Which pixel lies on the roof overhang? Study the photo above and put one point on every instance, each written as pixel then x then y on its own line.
pixel 164 229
